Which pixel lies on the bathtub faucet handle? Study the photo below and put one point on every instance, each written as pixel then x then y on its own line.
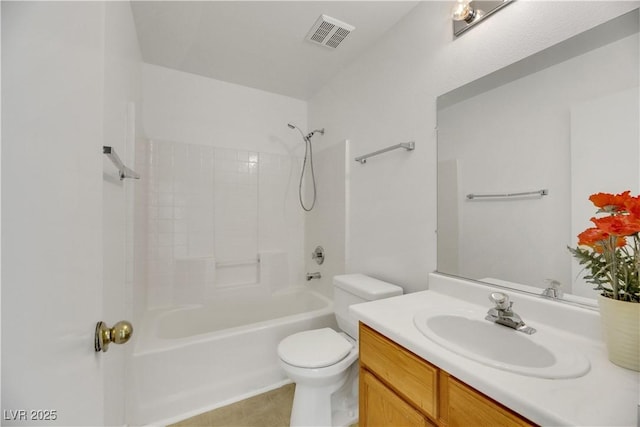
pixel 315 275
pixel 318 255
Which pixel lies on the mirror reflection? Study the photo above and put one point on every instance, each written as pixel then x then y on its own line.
pixel 564 120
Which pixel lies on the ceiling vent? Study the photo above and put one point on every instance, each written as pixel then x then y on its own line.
pixel 329 32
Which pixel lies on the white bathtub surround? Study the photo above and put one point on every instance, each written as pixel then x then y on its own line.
pixel 222 228
pixel 606 395
pixel 326 224
pixel 274 270
pixel 210 214
pixel 195 358
pixel 192 276
pixel 226 187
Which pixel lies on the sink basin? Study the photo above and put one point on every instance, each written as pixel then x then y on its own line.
pixel 468 334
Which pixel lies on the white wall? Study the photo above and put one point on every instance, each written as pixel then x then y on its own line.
pixel 69 70
pixel 192 109
pixel 388 95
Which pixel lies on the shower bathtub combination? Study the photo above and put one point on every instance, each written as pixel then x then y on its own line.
pixel 192 359
pixel 222 238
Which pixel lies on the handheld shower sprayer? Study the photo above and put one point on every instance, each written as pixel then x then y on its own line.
pixel 308 153
pixel 309 135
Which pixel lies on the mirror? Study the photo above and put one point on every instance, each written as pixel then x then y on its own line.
pixel 565 121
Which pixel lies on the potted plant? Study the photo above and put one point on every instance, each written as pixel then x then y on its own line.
pixel 610 252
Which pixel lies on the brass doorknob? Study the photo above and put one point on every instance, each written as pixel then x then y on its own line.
pixel 119 334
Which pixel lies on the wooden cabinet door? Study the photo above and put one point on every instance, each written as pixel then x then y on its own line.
pixel 468 407
pixel 398 388
pixel 410 376
pixel 381 407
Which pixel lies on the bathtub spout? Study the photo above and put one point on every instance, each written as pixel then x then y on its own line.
pixel 315 275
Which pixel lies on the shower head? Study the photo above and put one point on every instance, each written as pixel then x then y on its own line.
pixel 299 130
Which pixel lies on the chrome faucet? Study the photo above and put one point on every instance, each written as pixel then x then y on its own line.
pixel 315 275
pixel 503 315
pixel 554 290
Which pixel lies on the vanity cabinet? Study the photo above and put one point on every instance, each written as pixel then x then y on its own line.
pixel 398 388
pixel 383 407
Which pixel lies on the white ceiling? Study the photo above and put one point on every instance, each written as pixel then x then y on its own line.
pixel 260 44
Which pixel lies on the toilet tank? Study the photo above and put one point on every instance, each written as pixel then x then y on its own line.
pixel 349 289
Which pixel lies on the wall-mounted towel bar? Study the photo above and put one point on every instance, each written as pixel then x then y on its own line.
pixel 406 145
pixel 540 193
pixel 123 171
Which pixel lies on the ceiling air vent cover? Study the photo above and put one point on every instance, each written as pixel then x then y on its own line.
pixel 329 32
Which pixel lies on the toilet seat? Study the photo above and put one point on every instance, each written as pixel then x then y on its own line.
pixel 317 348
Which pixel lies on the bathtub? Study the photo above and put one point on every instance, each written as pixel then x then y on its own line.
pixel 192 359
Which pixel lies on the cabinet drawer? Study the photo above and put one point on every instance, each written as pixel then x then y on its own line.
pixel 467 407
pixel 407 374
pixel 385 408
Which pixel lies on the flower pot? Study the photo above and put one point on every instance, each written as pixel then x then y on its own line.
pixel 621 329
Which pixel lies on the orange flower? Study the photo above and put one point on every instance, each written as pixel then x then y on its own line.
pixel 618 225
pixel 632 205
pixel 613 263
pixel 610 202
pixel 596 239
pixel 591 236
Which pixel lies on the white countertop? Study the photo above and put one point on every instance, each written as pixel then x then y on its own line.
pixel 606 396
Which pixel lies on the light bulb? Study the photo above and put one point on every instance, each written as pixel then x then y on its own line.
pixel 462 11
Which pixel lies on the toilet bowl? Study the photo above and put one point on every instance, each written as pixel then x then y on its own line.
pixel 323 362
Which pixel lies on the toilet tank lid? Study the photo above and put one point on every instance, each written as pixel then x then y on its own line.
pixel 366 287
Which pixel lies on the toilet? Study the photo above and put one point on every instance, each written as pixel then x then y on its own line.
pixel 323 362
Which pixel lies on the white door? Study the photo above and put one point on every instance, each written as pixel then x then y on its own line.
pixel 53 240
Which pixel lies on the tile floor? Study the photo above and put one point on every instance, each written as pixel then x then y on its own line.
pixel 270 409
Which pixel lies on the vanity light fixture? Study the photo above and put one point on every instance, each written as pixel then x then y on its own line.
pixel 467 13
pixel 463 11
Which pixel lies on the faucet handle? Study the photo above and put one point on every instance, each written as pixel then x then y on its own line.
pixel 553 290
pixel 501 300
